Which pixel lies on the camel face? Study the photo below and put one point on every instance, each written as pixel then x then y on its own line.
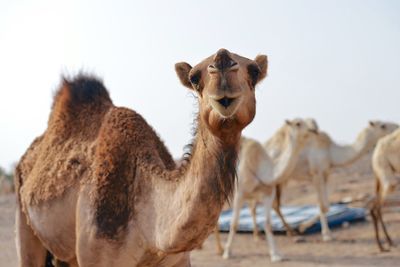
pixel 381 128
pixel 225 85
pixel 376 130
pixel 301 129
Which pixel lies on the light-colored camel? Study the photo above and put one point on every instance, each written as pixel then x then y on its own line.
pixel 386 166
pixel 258 175
pixel 319 155
pixel 99 188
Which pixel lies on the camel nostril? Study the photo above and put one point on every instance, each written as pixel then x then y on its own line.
pixel 224 66
pixel 226 101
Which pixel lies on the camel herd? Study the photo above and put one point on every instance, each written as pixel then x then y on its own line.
pixel 99 188
pixel 299 150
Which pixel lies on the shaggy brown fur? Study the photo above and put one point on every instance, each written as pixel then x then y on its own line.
pixel 83 120
pixel 24 168
pixel 125 142
pixel 122 151
pixel 59 155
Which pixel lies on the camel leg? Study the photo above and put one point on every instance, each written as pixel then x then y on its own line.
pixel 275 256
pixel 322 188
pixel 218 242
pixel 380 218
pixel 322 193
pixel 277 208
pixel 30 250
pixel 307 224
pixel 289 230
pixel 253 209
pixel 237 205
pixel 376 228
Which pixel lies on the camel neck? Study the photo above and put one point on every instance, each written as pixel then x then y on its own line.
pixel 346 154
pixel 213 163
pixel 195 203
pixel 285 163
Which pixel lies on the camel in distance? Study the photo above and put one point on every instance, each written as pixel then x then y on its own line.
pixel 99 187
pixel 258 175
pixel 316 160
pixel 386 166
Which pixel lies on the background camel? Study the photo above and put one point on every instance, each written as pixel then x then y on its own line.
pixel 258 175
pixel 386 166
pixel 319 155
pixel 99 188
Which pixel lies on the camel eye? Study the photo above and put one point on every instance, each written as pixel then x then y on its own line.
pixel 298 124
pixel 254 73
pixel 195 78
pixel 383 127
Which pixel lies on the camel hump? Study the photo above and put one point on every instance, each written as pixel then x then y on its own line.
pixel 81 101
pixel 80 96
pixel 81 90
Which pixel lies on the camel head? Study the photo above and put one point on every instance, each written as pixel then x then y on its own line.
pixel 301 129
pixel 378 129
pixel 382 128
pixel 225 84
pixel 374 131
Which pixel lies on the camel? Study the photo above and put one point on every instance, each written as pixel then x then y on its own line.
pixel 386 166
pixel 99 187
pixel 258 174
pixel 315 162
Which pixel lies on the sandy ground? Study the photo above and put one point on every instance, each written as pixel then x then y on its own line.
pixel 353 246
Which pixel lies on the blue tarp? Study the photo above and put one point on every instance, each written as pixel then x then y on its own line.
pixel 294 215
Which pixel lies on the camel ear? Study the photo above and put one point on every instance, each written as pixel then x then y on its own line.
pixel 262 62
pixel 182 70
pixel 288 122
pixel 371 123
pixel 314 123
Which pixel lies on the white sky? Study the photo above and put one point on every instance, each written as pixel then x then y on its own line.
pixel 337 61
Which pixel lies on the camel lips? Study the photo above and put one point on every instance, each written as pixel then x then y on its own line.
pixel 226 101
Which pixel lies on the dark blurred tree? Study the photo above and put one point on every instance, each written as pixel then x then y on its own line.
pixel 6 181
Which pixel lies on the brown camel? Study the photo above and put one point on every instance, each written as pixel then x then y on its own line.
pixel 99 188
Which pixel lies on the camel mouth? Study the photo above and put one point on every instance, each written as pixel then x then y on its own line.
pixel 226 101
pixel 225 106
